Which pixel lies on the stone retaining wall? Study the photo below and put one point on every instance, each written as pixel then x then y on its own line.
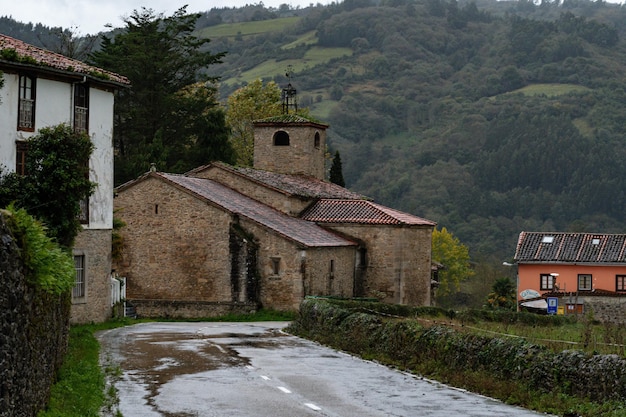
pixel 406 342
pixel 34 328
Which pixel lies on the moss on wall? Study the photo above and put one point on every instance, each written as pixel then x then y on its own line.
pixel 407 343
pixel 34 327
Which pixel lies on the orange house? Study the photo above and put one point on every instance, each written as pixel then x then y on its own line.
pixel 570 266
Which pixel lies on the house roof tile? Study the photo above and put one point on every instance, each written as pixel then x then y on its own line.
pixel 558 247
pixel 361 212
pixel 47 59
pixel 303 232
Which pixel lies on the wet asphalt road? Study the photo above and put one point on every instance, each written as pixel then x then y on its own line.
pixel 256 370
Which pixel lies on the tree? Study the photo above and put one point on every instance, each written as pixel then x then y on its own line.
pixel 57 181
pixel 336 174
pixel 253 102
pixel 205 130
pixel 160 56
pixel 454 256
pixel 502 294
pixel 69 42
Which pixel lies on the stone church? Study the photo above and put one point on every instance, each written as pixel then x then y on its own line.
pixel 224 239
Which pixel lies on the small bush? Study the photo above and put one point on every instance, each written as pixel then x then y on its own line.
pixel 47 266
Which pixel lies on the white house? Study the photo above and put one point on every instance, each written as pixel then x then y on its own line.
pixel 41 89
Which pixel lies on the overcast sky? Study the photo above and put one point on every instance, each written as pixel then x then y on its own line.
pixel 90 16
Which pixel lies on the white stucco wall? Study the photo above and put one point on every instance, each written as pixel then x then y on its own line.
pixel 8 121
pixel 54 104
pixel 101 163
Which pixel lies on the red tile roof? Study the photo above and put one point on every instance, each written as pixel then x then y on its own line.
pixel 303 232
pixel 558 247
pixel 361 212
pixel 52 60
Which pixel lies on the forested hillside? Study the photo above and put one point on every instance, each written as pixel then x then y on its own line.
pixel 487 117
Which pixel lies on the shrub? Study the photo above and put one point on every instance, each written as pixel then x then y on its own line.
pixel 47 266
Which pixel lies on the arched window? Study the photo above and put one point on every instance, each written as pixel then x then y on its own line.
pixel 281 138
pixel 317 140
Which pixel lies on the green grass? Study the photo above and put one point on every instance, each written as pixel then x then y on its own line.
pixel 81 389
pixel 230 30
pixel 268 69
pixel 309 38
pixel 551 90
pixel 584 335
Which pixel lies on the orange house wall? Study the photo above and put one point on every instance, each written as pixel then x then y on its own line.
pixel 602 276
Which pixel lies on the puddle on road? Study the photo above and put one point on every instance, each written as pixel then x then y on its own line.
pixel 166 355
pixel 155 359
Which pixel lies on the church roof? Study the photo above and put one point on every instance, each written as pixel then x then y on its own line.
pixel 30 55
pixel 360 212
pixel 295 185
pixel 300 185
pixel 289 119
pixel 303 232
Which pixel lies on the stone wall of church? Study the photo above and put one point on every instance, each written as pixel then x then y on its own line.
pixel 176 247
pixel 289 272
pixel 397 264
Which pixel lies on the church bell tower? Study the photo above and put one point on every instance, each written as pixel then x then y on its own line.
pixel 289 143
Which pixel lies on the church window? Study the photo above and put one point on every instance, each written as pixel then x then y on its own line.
pixel 281 138
pixel 275 266
pixel 317 140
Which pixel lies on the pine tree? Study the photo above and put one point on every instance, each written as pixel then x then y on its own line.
pixel 336 174
pixel 164 61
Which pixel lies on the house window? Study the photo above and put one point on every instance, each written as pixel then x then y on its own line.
pixel 79 282
pixel 83 217
pixel 584 282
pixel 26 106
pixel 620 282
pixel 281 138
pixel 275 266
pixel 547 239
pixel 546 282
pixel 316 142
pixel 81 108
pixel 21 149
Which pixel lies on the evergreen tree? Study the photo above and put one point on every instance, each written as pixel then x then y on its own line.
pixel 161 57
pixel 336 174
